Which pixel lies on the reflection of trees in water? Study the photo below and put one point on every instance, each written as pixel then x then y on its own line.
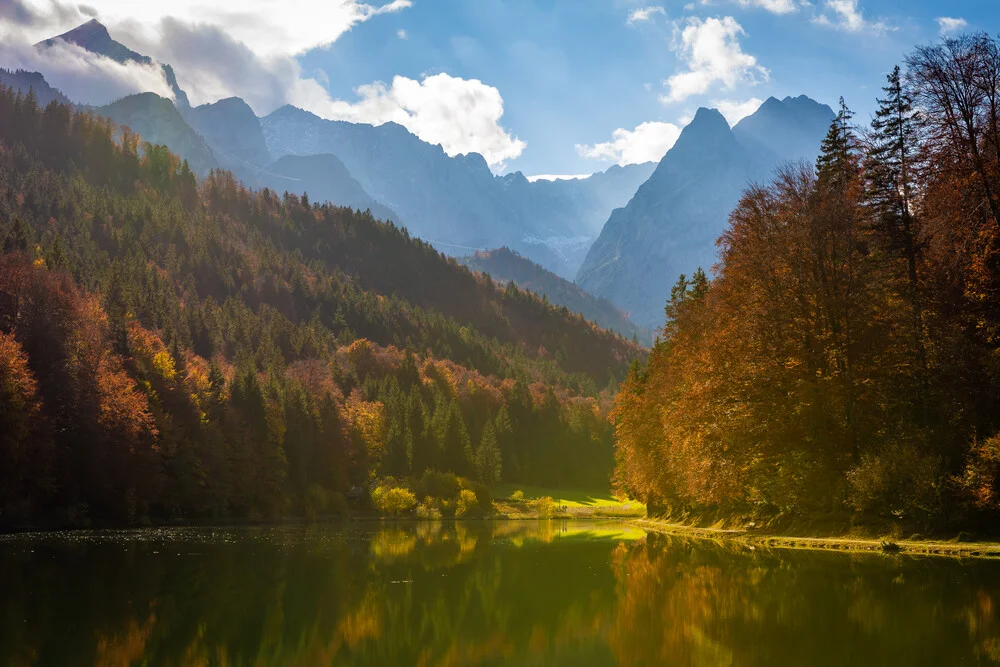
pixel 432 594
pixel 694 603
pixel 466 593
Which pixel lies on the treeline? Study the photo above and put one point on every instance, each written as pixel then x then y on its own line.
pixel 176 349
pixel 505 265
pixel 844 360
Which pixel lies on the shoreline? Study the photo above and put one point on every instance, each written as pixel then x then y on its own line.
pixel 856 544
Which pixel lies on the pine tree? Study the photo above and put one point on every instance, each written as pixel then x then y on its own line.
pixel 890 173
pixel 488 460
pixel 836 157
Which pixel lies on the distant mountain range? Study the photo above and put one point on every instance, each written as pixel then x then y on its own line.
pixel 671 224
pixel 504 265
pixel 651 221
pixel 456 203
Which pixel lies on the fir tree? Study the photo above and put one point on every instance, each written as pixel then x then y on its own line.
pixel 836 159
pixel 488 460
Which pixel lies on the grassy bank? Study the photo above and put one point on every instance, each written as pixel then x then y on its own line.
pixel 512 501
pixel 853 543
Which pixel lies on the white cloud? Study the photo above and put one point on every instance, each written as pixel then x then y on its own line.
pixel 463 115
pixel 773 6
pixel 711 50
pixel 81 75
pixel 847 15
pixel 218 51
pixel 646 143
pixel 950 26
pixel 401 34
pixel 735 111
pixel 267 27
pixel 557 177
pixel 644 14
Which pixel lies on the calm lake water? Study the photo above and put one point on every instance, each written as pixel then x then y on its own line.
pixel 510 593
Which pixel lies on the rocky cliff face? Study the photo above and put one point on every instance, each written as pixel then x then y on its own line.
pixel 94 37
pixel 234 133
pixel 672 223
pixel 456 202
pixel 324 178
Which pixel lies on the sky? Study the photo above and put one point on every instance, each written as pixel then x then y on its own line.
pixel 546 87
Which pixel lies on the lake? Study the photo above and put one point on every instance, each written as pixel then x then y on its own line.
pixel 479 593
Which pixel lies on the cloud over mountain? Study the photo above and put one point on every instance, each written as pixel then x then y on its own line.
pixel 251 52
pixel 710 49
pixel 646 143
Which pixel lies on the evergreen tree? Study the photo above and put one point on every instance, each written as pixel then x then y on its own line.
pixel 488 459
pixel 890 175
pixel 836 163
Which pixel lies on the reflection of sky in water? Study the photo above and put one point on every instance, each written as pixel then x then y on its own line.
pixel 519 592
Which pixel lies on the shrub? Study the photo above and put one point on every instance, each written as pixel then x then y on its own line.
pixel 483 497
pixel 517 496
pixel 393 501
pixel 981 478
pixel 314 502
pixel 436 484
pixel 898 481
pixel 467 505
pixel 428 510
pixel 544 506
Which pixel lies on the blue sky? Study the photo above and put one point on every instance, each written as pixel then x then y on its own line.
pixel 572 71
pixel 541 86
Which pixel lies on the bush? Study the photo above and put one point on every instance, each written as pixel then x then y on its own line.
pixel 467 505
pixel 483 497
pixel 428 510
pixel 393 501
pixel 314 502
pixel 980 480
pixel 544 506
pixel 436 484
pixel 336 503
pixel 517 496
pixel 897 482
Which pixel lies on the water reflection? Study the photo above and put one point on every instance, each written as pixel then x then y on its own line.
pixel 534 593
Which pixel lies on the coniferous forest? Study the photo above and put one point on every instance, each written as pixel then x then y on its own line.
pixel 179 350
pixel 845 360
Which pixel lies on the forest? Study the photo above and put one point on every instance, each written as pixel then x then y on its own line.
pixel 177 350
pixel 843 363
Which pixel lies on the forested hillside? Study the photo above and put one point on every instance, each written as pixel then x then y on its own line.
pixel 846 360
pixel 504 265
pixel 182 349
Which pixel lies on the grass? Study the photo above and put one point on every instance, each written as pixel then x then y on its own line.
pixel 568 497
pixel 886 544
pixel 569 503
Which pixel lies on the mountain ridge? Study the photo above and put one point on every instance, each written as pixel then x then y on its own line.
pixel 672 223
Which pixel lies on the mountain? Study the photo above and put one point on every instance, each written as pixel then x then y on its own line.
pixel 454 202
pixel 457 203
pixel 233 131
pixel 786 127
pixel 580 205
pixel 94 37
pixel 671 225
pixel 447 201
pixel 323 178
pixel 504 265
pixel 158 121
pixel 24 81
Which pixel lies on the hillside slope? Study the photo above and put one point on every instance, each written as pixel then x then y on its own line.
pixel 504 265
pixel 174 348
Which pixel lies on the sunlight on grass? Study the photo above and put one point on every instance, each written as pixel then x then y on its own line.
pixel 568 497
